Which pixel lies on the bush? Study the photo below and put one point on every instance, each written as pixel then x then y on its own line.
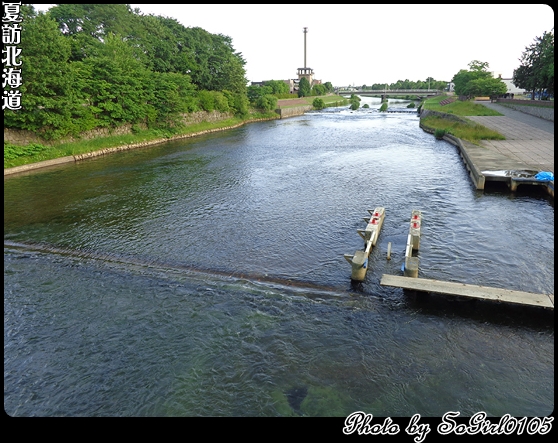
pixel 13 151
pixel 206 101
pixel 384 107
pixel 318 103
pixel 266 102
pixel 439 133
pixel 355 102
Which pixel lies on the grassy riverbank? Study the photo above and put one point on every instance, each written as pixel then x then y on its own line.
pixel 456 122
pixel 33 153
pixel 15 155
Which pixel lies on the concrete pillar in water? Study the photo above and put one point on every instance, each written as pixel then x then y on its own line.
pixel 411 267
pixel 359 265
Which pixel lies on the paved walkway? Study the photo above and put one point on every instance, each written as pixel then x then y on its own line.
pixel 529 139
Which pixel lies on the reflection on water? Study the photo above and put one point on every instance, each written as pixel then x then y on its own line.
pixel 206 278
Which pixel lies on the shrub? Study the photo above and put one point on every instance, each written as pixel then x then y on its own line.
pixel 206 101
pixel 266 102
pixel 318 103
pixel 13 151
pixel 439 133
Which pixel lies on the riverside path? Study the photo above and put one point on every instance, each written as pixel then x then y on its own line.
pixel 528 149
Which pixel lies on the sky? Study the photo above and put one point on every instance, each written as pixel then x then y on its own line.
pixel 363 44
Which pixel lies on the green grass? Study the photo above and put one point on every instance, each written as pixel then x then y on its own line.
pixel 462 128
pixel 469 131
pixel 458 107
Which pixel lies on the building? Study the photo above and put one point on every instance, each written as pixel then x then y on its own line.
pixel 512 89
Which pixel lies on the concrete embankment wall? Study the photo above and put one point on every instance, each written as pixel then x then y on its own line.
pixel 291 112
pixel 539 103
pixel 546 113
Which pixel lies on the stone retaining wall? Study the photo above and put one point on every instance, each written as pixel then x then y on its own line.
pixel 22 137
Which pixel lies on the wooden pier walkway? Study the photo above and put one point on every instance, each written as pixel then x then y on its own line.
pixel 471 291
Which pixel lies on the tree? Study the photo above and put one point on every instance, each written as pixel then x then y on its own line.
pixel 304 89
pixel 277 86
pixel 319 90
pixel 266 103
pixel 536 72
pixel 87 25
pixel 477 71
pixel 173 94
pixel 118 85
pixel 256 91
pixel 51 100
pixel 216 66
pixel 318 103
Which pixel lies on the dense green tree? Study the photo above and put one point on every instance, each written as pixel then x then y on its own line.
pixel 91 65
pixel 304 88
pixel 87 25
pixel 278 86
pixel 238 103
pixel 95 20
pixel 50 102
pixel 119 86
pixel 161 41
pixel 491 87
pixel 173 94
pixel 266 102
pixel 467 81
pixel 319 90
pixel 329 86
pixel 216 65
pixel 536 72
pixel 255 91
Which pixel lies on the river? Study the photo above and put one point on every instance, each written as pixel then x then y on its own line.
pixel 206 277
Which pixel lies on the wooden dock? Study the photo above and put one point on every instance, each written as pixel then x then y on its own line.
pixel 471 291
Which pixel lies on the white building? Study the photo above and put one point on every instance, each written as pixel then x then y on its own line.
pixel 512 89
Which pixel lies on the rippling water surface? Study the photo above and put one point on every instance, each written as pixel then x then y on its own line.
pixel 206 278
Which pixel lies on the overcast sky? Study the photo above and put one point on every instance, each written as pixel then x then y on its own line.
pixel 365 44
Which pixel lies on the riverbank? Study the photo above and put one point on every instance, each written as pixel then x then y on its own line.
pixel 527 146
pixel 124 146
pixel 123 139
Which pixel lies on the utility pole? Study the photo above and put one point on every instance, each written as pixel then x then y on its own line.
pixel 305 30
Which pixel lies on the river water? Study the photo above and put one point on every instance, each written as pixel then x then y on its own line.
pixel 206 277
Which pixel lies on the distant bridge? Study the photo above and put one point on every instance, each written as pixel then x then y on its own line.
pixel 390 92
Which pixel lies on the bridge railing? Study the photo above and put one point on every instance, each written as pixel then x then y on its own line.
pixel 389 91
